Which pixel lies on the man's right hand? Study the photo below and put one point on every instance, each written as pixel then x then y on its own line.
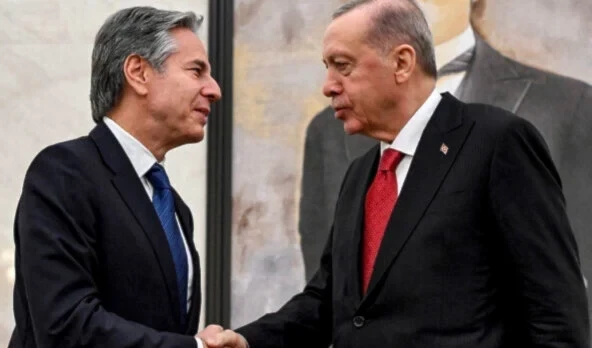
pixel 214 336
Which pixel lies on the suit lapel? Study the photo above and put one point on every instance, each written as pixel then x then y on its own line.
pixel 134 195
pixel 186 221
pixel 427 171
pixel 184 217
pixel 493 79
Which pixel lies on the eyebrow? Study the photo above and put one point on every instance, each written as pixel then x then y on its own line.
pixel 200 63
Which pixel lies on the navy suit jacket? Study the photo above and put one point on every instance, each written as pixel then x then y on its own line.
pixel 93 266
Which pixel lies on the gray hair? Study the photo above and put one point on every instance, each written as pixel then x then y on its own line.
pixel 395 23
pixel 144 31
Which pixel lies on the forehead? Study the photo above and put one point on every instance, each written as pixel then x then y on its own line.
pixel 345 32
pixel 188 44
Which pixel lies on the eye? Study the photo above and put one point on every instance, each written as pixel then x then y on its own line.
pixel 197 71
pixel 342 67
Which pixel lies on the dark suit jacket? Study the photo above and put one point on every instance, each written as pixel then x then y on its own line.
pixel 478 251
pixel 559 107
pixel 93 266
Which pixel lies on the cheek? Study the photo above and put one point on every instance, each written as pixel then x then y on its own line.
pixel 165 97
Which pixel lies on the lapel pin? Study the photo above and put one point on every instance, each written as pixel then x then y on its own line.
pixel 444 148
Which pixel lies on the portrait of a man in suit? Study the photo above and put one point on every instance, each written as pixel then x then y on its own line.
pixel 473 71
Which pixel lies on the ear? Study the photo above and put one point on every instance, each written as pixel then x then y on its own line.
pixel 136 71
pixel 404 60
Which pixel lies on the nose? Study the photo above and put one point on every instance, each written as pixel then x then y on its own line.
pixel 212 91
pixel 332 87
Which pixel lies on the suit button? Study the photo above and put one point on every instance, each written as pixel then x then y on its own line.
pixel 359 321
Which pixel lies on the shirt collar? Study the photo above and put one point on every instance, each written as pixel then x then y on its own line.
pixel 408 139
pixel 142 159
pixel 447 51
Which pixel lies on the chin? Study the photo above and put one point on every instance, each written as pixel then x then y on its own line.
pixel 196 138
pixel 351 129
pixel 196 133
pixel 192 138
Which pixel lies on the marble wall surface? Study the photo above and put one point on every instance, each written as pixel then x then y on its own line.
pixel 45 50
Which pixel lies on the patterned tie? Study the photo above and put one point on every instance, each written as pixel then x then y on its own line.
pixel 380 201
pixel 164 204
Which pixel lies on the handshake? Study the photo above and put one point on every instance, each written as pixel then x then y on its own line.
pixel 214 336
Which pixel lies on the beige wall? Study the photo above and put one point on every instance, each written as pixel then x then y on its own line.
pixel 45 50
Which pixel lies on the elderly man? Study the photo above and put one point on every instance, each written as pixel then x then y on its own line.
pixel 451 231
pixel 104 245
pixel 471 70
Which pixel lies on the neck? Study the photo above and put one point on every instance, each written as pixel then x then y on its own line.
pixel 142 127
pixel 416 94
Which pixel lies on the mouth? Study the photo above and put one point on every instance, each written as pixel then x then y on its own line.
pixel 205 112
pixel 339 111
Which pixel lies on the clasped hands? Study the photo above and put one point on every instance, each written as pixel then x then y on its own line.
pixel 214 336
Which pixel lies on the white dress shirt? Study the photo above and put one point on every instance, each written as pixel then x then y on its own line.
pixel 408 139
pixel 446 52
pixel 142 160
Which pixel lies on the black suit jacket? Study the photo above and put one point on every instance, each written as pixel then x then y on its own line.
pixel 93 266
pixel 478 251
pixel 559 107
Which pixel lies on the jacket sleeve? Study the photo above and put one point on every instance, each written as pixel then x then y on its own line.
pixel 306 320
pixel 542 263
pixel 57 262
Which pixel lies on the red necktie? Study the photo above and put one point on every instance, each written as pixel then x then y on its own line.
pixel 380 201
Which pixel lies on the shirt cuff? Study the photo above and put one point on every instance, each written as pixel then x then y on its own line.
pixel 199 342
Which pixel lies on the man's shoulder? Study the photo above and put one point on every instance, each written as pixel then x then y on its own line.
pixel 493 121
pixel 66 155
pixel 68 149
pixel 551 89
pixel 548 79
pixel 483 114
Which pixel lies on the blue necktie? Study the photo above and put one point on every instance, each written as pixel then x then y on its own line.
pixel 164 204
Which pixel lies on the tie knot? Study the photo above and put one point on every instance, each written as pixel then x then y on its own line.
pixel 390 160
pixel 158 177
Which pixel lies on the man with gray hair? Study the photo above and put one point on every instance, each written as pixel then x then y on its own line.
pixel 451 231
pixel 104 244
